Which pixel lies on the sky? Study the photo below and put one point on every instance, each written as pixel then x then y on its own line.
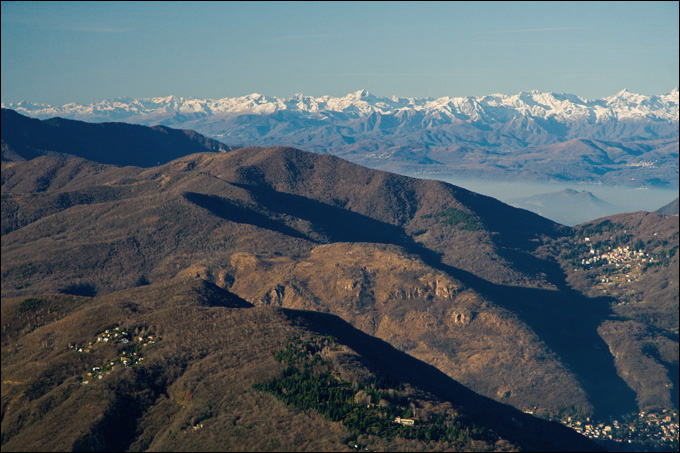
pixel 61 52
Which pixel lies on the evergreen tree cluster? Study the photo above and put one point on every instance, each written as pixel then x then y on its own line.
pixel 457 218
pixel 307 384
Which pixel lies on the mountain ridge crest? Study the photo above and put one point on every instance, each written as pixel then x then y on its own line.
pixel 546 105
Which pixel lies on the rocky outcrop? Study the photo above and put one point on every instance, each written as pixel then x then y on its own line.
pixel 393 295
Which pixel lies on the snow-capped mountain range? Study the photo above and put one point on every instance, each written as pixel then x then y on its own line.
pixel 494 108
pixel 626 138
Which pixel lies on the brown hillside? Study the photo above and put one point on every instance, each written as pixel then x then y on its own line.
pixel 456 279
pixel 198 352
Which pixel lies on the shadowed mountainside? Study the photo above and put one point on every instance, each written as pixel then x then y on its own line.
pixel 25 138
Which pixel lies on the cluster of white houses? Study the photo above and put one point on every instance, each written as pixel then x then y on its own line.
pixel 618 256
pixel 127 357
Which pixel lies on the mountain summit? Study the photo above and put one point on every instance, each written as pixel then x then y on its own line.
pixel 568 206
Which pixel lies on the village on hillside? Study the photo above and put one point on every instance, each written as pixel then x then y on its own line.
pixel 130 353
pixel 644 430
pixel 612 258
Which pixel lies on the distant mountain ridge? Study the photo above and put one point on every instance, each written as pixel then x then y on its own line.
pixel 568 206
pixel 669 209
pixel 26 138
pixel 626 138
pixel 494 108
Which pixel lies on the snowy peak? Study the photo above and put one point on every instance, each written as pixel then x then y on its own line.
pixel 359 94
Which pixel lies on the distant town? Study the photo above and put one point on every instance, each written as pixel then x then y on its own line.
pixel 644 431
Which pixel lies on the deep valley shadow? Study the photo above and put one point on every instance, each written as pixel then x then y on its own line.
pixel 336 224
pixel 567 322
pixel 228 210
pixel 502 418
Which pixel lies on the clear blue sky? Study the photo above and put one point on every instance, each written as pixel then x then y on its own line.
pixel 60 52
